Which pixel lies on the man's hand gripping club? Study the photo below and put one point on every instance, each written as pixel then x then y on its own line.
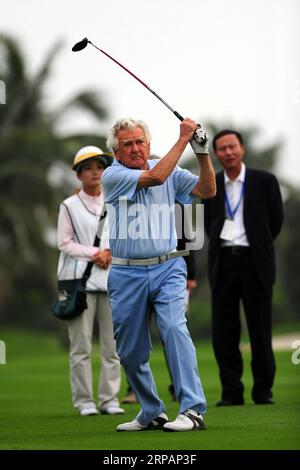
pixel 200 142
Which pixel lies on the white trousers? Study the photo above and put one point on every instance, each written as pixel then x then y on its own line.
pixel 80 331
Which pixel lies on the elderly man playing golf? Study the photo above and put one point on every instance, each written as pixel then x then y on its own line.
pixel 147 271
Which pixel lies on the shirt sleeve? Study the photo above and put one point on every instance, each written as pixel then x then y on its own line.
pixel 66 238
pixel 120 182
pixel 184 183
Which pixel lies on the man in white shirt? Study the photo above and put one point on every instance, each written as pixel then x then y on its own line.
pixel 241 222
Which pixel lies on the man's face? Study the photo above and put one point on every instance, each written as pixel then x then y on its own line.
pixel 229 151
pixel 133 150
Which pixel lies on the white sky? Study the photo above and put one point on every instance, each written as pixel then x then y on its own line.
pixel 220 60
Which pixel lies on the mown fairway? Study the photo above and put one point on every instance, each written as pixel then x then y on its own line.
pixel 36 410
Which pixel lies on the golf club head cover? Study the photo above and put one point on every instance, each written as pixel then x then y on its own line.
pixel 200 142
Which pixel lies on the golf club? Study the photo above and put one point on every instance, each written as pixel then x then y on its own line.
pixel 200 136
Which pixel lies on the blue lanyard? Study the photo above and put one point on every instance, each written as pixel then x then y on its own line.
pixel 230 211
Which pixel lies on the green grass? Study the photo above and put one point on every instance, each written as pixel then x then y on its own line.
pixel 36 411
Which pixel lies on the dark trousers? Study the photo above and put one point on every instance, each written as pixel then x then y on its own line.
pixel 237 282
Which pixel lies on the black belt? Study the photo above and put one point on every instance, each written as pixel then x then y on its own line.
pixel 236 250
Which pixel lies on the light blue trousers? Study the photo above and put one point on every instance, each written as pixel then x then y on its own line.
pixel 132 289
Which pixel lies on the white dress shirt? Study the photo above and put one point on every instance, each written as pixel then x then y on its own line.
pixel 233 189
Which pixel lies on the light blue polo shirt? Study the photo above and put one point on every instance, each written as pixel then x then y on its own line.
pixel 142 221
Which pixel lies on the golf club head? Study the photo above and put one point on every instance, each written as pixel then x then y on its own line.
pixel 80 45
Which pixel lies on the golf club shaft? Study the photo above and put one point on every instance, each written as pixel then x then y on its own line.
pixel 139 80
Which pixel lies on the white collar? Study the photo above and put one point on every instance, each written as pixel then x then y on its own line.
pixel 87 198
pixel 240 177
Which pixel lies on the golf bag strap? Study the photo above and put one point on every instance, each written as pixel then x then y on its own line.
pixel 89 266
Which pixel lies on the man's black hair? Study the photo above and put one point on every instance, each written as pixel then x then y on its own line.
pixel 227 132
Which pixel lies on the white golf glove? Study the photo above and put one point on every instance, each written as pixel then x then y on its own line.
pixel 200 142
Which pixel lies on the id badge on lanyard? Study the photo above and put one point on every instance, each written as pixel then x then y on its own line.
pixel 227 232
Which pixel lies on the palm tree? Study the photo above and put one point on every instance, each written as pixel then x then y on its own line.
pixel 29 147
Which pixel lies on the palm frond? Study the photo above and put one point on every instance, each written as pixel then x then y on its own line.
pixel 12 64
pixel 90 101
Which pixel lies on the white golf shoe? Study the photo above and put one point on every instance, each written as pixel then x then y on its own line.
pixel 190 420
pixel 112 410
pixel 90 411
pixel 134 425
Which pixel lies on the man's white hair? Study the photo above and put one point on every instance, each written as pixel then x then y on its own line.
pixel 112 142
